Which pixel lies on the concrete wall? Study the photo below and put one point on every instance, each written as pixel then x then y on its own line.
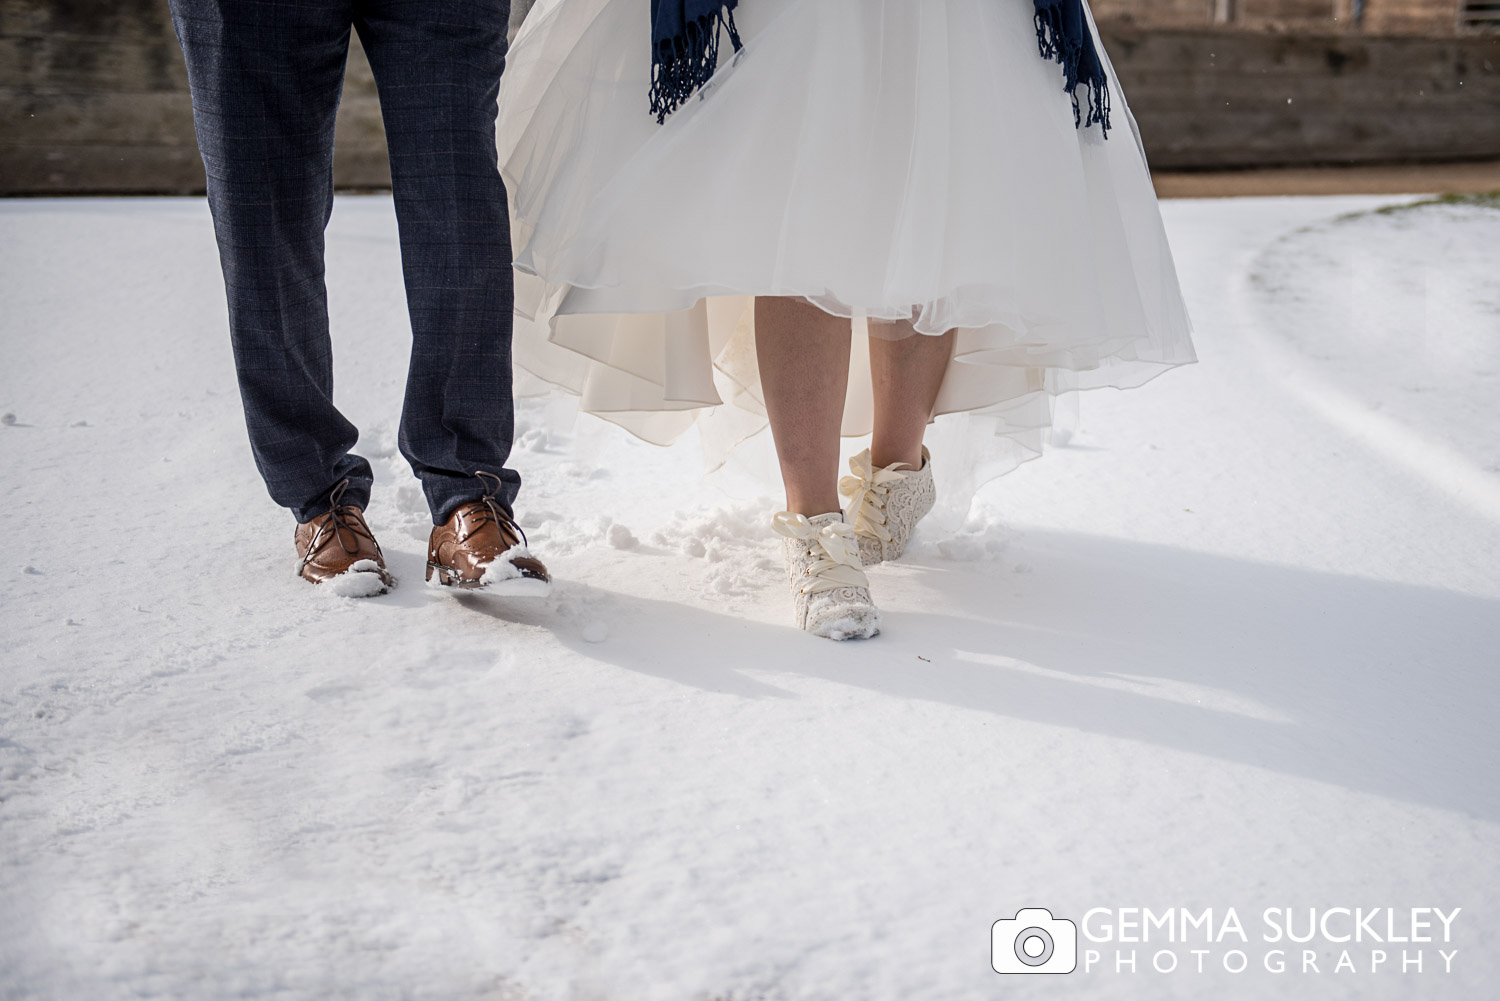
pixel 93 98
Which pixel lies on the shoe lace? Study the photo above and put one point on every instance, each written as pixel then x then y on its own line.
pixel 868 490
pixel 496 511
pixel 341 518
pixel 835 547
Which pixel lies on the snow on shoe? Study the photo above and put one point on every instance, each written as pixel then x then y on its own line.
pixel 830 593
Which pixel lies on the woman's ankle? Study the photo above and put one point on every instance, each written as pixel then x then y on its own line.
pixel 812 505
pixel 881 457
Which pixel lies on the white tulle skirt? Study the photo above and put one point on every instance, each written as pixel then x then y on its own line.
pixel 887 160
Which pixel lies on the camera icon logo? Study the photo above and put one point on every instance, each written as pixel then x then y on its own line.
pixel 1034 942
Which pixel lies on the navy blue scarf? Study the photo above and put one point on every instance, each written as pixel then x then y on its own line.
pixel 685 52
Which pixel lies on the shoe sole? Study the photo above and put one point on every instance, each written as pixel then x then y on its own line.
pixel 514 587
pixel 517 587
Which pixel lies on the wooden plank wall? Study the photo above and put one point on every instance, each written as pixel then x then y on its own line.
pixel 1379 17
pixel 93 99
pixel 1219 98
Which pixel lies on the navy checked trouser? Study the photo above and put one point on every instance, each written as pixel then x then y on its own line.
pixel 266 76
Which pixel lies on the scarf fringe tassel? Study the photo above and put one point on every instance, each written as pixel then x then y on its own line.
pixel 1080 64
pixel 687 61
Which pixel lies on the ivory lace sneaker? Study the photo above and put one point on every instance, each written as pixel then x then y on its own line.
pixel 886 504
pixel 830 593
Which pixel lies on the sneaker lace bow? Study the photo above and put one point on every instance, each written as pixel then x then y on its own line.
pixel 868 490
pixel 836 549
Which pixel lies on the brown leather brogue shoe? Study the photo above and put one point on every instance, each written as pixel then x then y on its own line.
pixel 480 546
pixel 339 549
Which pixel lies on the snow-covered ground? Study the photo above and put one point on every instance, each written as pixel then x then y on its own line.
pixel 1235 645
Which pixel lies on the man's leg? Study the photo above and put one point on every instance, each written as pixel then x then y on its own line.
pixel 437 65
pixel 266 79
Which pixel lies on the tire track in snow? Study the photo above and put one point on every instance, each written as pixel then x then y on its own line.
pixel 1428 458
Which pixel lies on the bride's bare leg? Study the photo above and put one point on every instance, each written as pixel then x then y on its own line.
pixel 803 354
pixel 907 375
